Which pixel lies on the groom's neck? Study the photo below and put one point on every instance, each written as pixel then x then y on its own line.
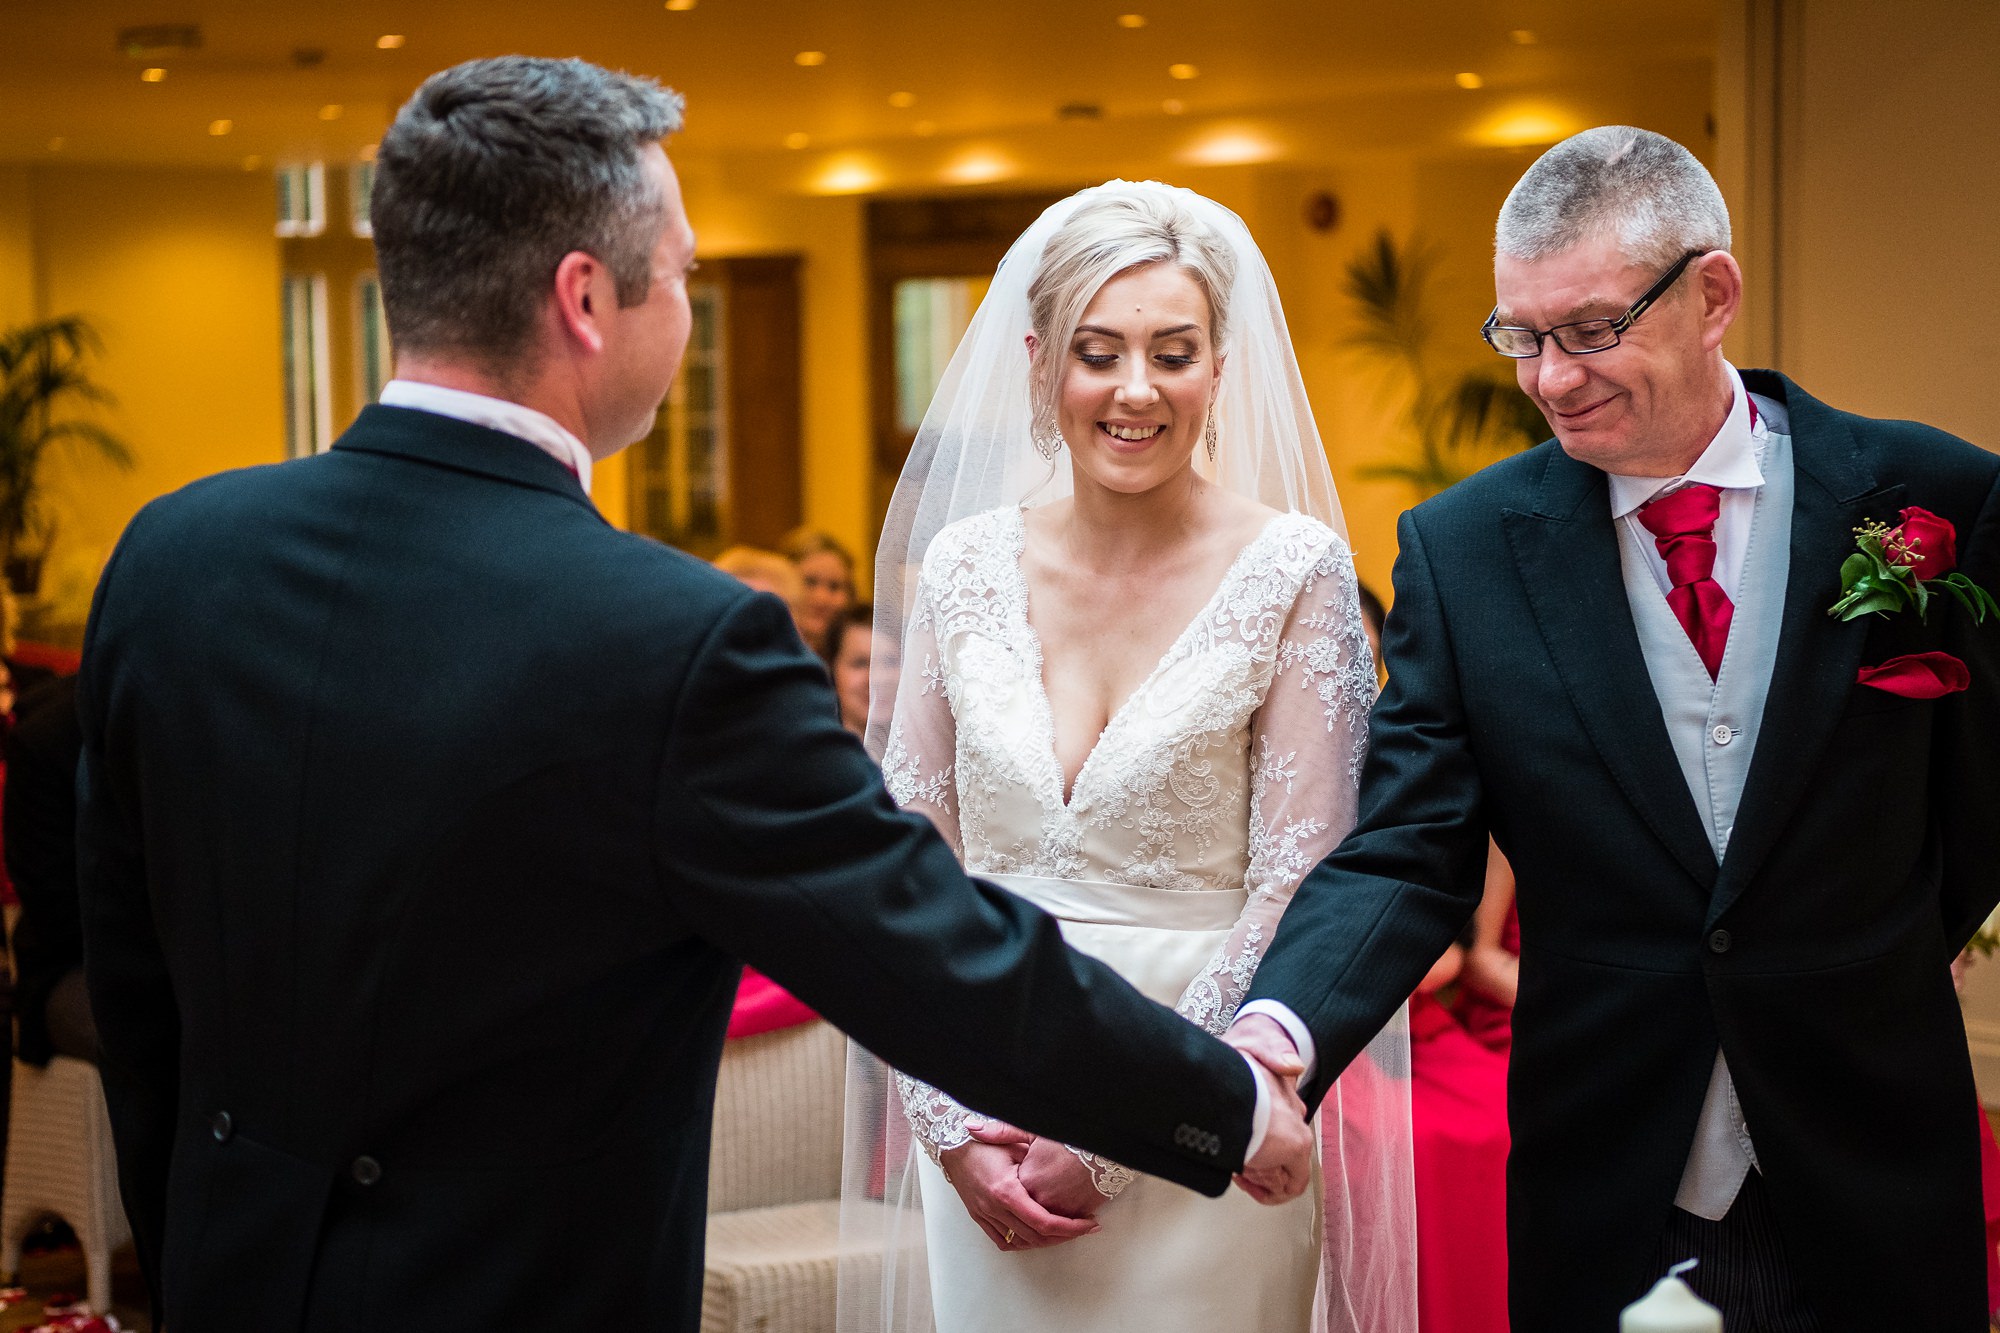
pixel 539 392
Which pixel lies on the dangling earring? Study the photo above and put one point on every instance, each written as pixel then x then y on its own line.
pixel 1047 437
pixel 1209 433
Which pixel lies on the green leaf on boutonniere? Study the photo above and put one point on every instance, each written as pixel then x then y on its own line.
pixel 1975 599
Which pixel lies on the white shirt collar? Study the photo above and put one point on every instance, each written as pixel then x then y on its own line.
pixel 537 428
pixel 1733 459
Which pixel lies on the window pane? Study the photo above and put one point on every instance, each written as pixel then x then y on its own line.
pixel 373 330
pixel 931 316
pixel 680 492
pixel 308 404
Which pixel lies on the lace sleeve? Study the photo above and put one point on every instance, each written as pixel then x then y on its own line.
pixel 918 763
pixel 1307 743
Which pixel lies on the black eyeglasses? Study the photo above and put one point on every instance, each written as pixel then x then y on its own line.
pixel 1586 335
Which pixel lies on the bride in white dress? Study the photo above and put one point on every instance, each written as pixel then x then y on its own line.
pixel 1134 691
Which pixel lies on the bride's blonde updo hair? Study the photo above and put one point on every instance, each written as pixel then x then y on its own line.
pixel 1126 227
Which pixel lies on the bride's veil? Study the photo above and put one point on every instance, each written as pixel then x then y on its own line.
pixel 973 453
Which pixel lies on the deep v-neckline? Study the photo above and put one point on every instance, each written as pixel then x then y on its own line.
pixel 1066 787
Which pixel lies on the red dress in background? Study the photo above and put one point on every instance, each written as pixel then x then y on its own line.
pixel 1458 1112
pixel 762 1005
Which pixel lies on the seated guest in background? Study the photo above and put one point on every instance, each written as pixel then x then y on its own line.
pixel 766 571
pixel 826 573
pixel 853 646
pixel 38 831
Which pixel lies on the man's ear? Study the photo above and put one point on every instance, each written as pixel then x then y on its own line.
pixel 576 291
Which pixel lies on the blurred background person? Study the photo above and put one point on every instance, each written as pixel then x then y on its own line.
pixel 766 571
pixel 826 586
pixel 38 831
pixel 853 650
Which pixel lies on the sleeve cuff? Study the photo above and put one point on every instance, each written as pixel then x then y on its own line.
pixel 1281 1014
pixel 1260 1118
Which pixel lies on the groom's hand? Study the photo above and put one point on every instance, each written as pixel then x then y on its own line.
pixel 986 1174
pixel 1282 1168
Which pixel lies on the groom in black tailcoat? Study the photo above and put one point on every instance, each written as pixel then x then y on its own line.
pixel 1743 870
pixel 425 816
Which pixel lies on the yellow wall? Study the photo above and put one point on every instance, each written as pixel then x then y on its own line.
pixel 179 271
pixel 17 249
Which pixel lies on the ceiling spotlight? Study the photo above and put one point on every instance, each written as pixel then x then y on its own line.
pixel 218 128
pixel 153 74
pixel 1468 80
pixel 1182 71
pixel 1523 37
pixel 1131 20
pixel 809 58
pixel 332 111
pixel 389 41
pixel 1173 106
pixel 901 100
pixel 797 139
pixel 679 6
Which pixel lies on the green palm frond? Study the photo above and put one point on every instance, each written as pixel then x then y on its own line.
pixel 1457 424
pixel 45 378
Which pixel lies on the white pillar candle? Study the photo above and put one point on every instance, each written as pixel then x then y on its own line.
pixel 1671 1307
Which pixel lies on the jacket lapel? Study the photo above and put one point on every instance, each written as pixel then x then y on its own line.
pixel 1836 491
pixel 1567 552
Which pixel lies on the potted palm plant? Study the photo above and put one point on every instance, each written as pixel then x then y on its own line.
pixel 1459 422
pixel 44 379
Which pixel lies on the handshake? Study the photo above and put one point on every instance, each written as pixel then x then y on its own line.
pixel 1028 1193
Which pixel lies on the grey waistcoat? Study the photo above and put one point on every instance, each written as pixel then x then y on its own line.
pixel 1714 727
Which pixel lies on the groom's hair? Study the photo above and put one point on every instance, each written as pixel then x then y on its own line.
pixel 493 172
pixel 1643 189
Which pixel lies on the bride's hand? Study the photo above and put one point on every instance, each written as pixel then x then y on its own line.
pixel 987 1178
pixel 1056 1179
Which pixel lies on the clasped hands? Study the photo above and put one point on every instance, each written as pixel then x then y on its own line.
pixel 1028 1193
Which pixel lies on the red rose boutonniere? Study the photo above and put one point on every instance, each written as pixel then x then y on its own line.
pixel 1895 569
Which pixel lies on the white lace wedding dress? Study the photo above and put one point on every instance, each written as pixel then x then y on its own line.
pixel 1212 790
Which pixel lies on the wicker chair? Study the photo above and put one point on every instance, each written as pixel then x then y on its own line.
pixel 774 1184
pixel 60 1160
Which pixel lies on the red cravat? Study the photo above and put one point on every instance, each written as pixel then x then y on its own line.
pixel 1683 527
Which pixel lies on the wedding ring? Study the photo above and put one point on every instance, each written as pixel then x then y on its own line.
pixel 1010 1235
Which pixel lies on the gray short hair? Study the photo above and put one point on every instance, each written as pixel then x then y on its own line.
pixel 1126 227
pixel 493 172
pixel 1640 187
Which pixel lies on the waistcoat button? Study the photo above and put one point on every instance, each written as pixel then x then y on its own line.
pixel 1719 942
pixel 221 1126
pixel 366 1170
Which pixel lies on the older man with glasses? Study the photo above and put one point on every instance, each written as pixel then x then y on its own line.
pixel 1715 669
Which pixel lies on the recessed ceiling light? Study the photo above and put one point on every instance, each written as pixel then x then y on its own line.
pixel 925 128
pixel 389 41
pixel 332 111
pixel 797 139
pixel 1468 80
pixel 900 100
pixel 153 74
pixel 220 127
pixel 1131 20
pixel 809 58
pixel 1173 106
pixel 1183 71
pixel 57 144
pixel 1523 37
pixel 680 6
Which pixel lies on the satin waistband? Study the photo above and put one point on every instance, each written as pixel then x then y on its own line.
pixel 1097 902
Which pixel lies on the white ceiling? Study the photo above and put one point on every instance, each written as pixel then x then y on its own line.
pixel 1291 78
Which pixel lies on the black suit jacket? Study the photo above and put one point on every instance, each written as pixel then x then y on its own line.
pixel 1866 851
pixel 425 818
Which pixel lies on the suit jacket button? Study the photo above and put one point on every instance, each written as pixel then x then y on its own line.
pixel 1718 942
pixel 221 1126
pixel 366 1170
